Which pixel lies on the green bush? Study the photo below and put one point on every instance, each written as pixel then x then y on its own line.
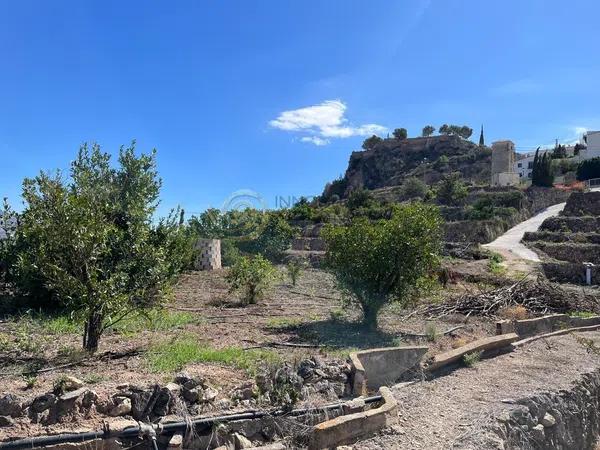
pixel 377 263
pixel 230 253
pixel 589 169
pixel 275 237
pixel 294 268
pixel 452 190
pixel 252 276
pixel 414 187
pixel 90 242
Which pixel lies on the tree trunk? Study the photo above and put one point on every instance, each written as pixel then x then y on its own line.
pixel 92 332
pixel 370 317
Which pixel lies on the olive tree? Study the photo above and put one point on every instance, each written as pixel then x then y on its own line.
pixel 376 263
pixel 90 239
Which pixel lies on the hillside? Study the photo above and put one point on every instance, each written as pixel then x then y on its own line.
pixel 390 162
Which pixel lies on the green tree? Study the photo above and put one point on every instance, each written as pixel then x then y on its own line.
pixel 589 169
pixel 294 268
pixel 275 237
pixel 371 142
pixel 465 132
pixel 445 129
pixel 452 190
pixel 400 133
pixel 542 172
pixel 560 151
pixel 252 276
pixel 359 198
pixel 91 240
pixel 376 263
pixel 428 130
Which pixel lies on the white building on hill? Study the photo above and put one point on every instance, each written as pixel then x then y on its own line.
pixel 592 140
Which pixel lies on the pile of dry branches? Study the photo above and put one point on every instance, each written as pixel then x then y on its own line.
pixel 538 296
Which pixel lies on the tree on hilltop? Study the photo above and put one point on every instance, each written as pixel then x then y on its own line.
pixel 428 130
pixel 400 133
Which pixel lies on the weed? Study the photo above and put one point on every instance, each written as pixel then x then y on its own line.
pixel 60 325
pixel 495 264
pixel 154 320
pixel 173 355
pixel 60 384
pixel 470 359
pixel 583 314
pixel 459 342
pixel 294 268
pixel 517 312
pixel 431 332
pixel 72 354
pixel 279 323
pixel 30 381
pixel 5 343
pixel 589 344
pixel 93 378
pixel 337 314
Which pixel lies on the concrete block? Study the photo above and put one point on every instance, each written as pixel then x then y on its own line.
pixel 348 429
pixel 531 339
pixel 382 366
pixel 209 254
pixel 485 344
pixel 530 327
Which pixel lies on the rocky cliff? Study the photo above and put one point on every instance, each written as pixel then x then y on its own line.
pixel 390 162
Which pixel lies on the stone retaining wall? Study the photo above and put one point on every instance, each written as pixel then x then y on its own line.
pixel 583 204
pixel 588 224
pixel 570 252
pixel 569 419
pixel 545 324
pixel 566 272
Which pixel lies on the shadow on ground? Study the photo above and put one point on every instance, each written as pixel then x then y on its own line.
pixel 344 334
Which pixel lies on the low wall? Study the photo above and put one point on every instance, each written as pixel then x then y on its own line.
pixel 540 197
pixel 382 366
pixel 571 252
pixel 588 224
pixel 350 428
pixel 474 231
pixel 569 419
pixel 480 345
pixel 583 204
pixel 566 272
pixel 542 325
pixel 555 236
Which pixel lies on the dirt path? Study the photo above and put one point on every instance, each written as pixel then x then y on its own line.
pixel 509 244
pixel 451 412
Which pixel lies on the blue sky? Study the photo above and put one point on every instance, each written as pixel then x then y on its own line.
pixel 273 96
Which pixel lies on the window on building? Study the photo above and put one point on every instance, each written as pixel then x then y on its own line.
pixel 519 165
pixel 530 165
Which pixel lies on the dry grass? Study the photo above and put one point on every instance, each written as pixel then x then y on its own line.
pixel 517 312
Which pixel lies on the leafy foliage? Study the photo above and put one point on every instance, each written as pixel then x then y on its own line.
pixel 414 187
pixel 252 276
pixel 294 269
pixel 371 142
pixel 452 190
pixel 376 263
pixel 542 173
pixel 428 130
pixel 589 169
pixel 275 237
pixel 90 242
pixel 463 131
pixel 400 133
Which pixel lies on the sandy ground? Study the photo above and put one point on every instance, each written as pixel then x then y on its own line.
pixel 451 412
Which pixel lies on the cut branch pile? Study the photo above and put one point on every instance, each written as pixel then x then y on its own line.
pixel 539 297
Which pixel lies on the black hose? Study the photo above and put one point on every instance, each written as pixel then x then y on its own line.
pixel 167 428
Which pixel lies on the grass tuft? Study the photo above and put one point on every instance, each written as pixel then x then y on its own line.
pixel 174 355
pixel 470 359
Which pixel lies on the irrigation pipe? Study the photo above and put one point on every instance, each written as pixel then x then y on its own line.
pixel 142 429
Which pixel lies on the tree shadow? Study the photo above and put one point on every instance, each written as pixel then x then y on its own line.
pixel 340 333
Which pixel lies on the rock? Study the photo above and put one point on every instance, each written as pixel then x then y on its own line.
pixel 163 402
pixel 538 433
pixel 142 402
pixel 240 441
pixel 89 399
pixel 6 421
pixel 223 404
pixel 548 420
pixel 121 408
pixel 11 405
pixel 73 395
pixel 187 381
pixel 176 442
pixel 70 383
pixel 173 388
pixel 209 394
pixel 193 395
pixel 42 403
pixel 245 392
pixel 353 406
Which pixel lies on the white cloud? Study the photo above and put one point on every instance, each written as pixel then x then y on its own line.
pixel 322 121
pixel 315 140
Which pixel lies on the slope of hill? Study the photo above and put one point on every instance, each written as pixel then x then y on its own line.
pixel 390 162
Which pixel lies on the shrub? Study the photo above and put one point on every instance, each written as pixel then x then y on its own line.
pixel 229 252
pixel 275 237
pixel 359 198
pixel 431 332
pixel 294 268
pixel 90 241
pixel 377 263
pixel 452 190
pixel 414 187
pixel 589 169
pixel 252 276
pixel 470 359
pixel 302 210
